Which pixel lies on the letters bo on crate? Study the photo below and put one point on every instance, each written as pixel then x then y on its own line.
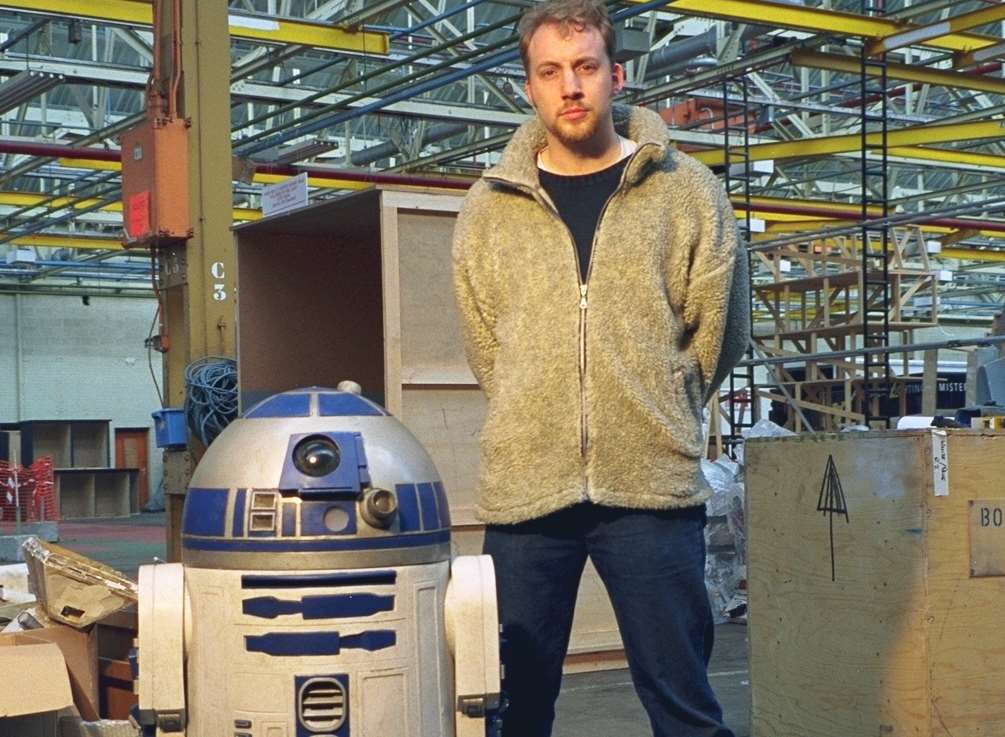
pixel 876 567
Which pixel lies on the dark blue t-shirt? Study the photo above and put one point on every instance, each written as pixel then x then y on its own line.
pixel 579 200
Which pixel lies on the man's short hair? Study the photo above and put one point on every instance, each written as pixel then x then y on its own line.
pixel 572 15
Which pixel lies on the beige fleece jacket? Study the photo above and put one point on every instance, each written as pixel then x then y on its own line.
pixel 595 391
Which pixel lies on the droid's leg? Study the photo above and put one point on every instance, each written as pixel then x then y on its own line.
pixel 472 624
pixel 160 681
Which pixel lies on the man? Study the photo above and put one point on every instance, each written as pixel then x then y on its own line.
pixel 604 297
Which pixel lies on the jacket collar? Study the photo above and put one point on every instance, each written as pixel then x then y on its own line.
pixel 518 164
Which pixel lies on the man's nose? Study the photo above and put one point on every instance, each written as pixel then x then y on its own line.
pixel 571 87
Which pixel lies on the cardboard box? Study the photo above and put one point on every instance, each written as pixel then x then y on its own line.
pixel 78 661
pixel 42 682
pixel 38 689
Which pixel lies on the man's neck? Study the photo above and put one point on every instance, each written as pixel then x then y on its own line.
pixel 591 156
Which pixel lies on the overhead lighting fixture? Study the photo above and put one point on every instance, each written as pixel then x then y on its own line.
pixel 25 86
pixel 701 63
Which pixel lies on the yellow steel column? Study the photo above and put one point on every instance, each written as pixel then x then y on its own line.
pixel 198 276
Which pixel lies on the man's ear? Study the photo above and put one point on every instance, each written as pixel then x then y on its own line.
pixel 618 78
pixel 530 95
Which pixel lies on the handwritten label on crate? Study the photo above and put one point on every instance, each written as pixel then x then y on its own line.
pixel 987 537
pixel 940 463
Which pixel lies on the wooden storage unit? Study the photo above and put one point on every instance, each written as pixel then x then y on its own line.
pixel 96 492
pixel 361 288
pixel 876 600
pixel 70 443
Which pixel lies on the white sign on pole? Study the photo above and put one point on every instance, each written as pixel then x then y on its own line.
pixel 284 196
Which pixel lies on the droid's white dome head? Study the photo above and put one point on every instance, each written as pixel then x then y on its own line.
pixel 315 479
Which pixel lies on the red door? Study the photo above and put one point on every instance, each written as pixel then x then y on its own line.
pixel 131 452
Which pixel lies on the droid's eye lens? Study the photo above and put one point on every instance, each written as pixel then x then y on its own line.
pixel 316 456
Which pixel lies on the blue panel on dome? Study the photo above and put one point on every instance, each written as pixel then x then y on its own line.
pixel 205 512
pixel 408 508
pixel 348 476
pixel 345 404
pixel 289 519
pixel 282 405
pixel 427 502
pixel 239 499
pixel 389 542
pixel 442 504
pixel 313 514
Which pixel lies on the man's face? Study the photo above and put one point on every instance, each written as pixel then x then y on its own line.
pixel 570 81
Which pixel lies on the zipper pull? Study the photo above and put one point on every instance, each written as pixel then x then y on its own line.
pixel 582 296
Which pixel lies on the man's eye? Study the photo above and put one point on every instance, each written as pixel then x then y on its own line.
pixel 588 68
pixel 548 73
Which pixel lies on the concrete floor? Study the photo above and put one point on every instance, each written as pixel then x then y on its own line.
pixel 601 704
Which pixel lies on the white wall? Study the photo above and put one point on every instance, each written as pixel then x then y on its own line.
pixel 79 361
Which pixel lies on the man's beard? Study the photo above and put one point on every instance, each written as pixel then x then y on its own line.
pixel 573 133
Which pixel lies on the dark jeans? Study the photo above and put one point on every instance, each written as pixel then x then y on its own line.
pixel 652 564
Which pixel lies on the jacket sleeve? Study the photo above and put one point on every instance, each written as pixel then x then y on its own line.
pixel 476 316
pixel 717 308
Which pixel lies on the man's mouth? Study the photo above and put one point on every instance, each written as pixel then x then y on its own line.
pixel 573 113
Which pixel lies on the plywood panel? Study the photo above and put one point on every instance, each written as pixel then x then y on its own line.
pixel 448 422
pixel 431 345
pixel 309 310
pixel 837 634
pixel 966 647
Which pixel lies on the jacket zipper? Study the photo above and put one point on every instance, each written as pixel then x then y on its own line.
pixel 584 434
pixel 583 301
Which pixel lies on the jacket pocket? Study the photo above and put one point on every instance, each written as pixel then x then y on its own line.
pixel 684 405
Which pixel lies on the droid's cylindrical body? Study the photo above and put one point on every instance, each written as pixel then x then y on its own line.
pixel 331 668
pixel 317 557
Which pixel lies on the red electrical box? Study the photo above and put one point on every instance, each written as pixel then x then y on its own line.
pixel 155 207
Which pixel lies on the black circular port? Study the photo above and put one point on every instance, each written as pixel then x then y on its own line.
pixel 316 456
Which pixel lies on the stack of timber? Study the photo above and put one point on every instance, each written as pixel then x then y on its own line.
pixel 814 296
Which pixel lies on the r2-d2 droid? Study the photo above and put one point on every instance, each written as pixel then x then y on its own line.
pixel 317 597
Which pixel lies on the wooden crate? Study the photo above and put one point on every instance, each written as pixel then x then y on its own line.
pixel 875 567
pixel 361 288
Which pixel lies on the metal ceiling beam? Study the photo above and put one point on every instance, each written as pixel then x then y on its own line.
pixel 816 20
pixel 969 58
pixel 921 34
pixel 950 156
pixel 905 72
pixel 250 27
pixel 46 240
pixel 27 199
pixel 900 138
